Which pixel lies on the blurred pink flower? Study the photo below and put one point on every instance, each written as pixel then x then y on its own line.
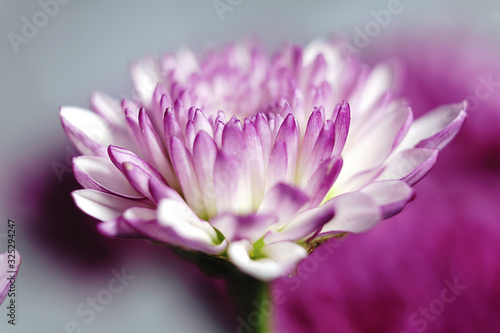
pixel 253 159
pixel 9 266
pixel 397 277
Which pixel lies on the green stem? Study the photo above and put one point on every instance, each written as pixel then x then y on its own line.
pixel 252 297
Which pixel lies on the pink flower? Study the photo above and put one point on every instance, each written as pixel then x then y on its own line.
pixel 9 266
pixel 392 279
pixel 253 159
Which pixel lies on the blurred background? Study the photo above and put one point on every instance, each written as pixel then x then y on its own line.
pixel 449 232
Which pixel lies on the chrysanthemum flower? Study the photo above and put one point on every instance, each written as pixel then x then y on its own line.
pixel 9 266
pixel 253 159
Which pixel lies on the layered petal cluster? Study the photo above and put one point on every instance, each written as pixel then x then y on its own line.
pixel 251 158
pixel 390 280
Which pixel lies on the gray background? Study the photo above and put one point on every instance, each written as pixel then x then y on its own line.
pixel 88 46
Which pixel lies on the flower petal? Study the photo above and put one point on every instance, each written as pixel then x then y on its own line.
pixel 283 201
pixel 132 119
pixel 254 159
pixel 289 134
pixel 145 76
pixel 139 178
pixel 354 212
pixel 119 156
pixel 145 222
pixel 322 150
pixel 314 127
pixel 136 170
pixel 226 174
pixel 282 258
pixel 159 104
pixel 108 108
pixel 155 151
pixel 182 218
pixel 95 172
pixel 369 149
pixel 410 165
pixel 89 132
pixel 183 165
pixel 160 191
pixel 262 127
pixel 436 128
pixel 201 123
pixel 204 155
pixel 185 229
pixel 333 57
pixel 342 123
pixel 118 228
pixel 380 81
pixel 171 125
pixel 302 225
pixel 391 196
pixel 236 227
pixel 104 206
pixel 277 169
pixel 322 180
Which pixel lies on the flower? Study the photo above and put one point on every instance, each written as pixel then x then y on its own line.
pixel 9 266
pixel 253 159
pixel 392 279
